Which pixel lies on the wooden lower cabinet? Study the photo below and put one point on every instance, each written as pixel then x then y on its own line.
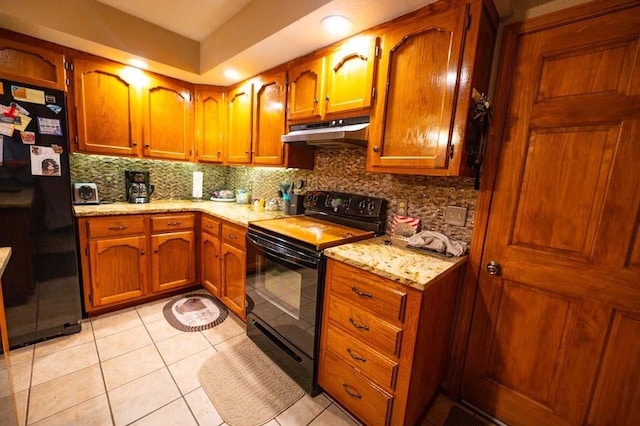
pixel 118 266
pixel 384 346
pixel 210 254
pixel 233 272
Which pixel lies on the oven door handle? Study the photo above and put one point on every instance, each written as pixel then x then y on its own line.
pixel 278 251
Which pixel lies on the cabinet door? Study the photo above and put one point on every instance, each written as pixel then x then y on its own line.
pixel 305 89
pixel 210 263
pixel 211 119
pixel 168 124
pixel 31 64
pixel 350 75
pixel 108 109
pixel 233 279
pixel 173 263
pixel 239 141
pixel 269 122
pixel 118 269
pixel 420 69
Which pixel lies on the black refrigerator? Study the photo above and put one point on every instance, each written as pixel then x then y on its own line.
pixel 41 282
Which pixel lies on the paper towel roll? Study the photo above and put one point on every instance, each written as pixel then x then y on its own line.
pixel 197 184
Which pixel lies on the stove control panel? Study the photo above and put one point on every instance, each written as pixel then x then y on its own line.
pixel 343 204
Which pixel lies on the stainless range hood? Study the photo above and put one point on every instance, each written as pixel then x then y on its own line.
pixel 345 133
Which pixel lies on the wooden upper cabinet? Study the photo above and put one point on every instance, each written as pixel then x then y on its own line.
pixel 240 110
pixel 425 97
pixel 31 64
pixel 211 124
pixel 269 121
pixel 350 74
pixel 107 109
pixel 168 122
pixel 306 86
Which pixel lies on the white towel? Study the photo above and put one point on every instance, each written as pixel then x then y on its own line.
pixel 438 242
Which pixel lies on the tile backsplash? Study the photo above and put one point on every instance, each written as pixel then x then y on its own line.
pixel 335 170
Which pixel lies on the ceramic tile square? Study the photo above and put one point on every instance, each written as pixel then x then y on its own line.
pixel 176 413
pixel 161 330
pixel 143 396
pixel 334 416
pixel 185 372
pixel 303 411
pixel 227 329
pixel 21 355
pixel 181 346
pixel 123 342
pixel 60 343
pixel 202 408
pixel 152 311
pixel 21 375
pixel 94 412
pixel 63 362
pixel 115 322
pixel 8 413
pixel 64 392
pixel 131 366
pixel 6 383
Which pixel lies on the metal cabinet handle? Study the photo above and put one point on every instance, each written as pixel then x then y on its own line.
pixel 118 228
pixel 233 236
pixel 352 393
pixel 361 293
pixel 315 101
pixel 376 148
pixel 494 268
pixel 355 356
pixel 358 326
pixel 134 143
pixel 141 252
pixel 156 251
pixel 146 145
pixel 174 223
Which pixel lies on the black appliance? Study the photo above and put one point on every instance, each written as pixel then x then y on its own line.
pixel 41 283
pixel 285 275
pixel 138 188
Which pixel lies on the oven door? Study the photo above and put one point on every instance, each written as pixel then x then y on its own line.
pixel 283 289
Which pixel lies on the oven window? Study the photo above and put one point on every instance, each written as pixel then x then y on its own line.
pixel 283 295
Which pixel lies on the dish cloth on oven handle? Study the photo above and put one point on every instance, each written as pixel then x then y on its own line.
pixel 438 242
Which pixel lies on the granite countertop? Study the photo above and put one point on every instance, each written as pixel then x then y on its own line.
pixel 240 214
pixel 5 254
pixel 395 262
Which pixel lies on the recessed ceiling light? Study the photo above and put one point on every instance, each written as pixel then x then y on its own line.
pixel 232 74
pixel 336 25
pixel 138 63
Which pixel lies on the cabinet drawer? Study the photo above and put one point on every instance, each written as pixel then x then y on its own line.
pixel 362 358
pixel 368 291
pixel 365 326
pixel 115 226
pixel 234 235
pixel 172 222
pixel 370 403
pixel 210 225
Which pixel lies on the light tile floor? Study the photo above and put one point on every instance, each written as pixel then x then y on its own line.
pixel 131 367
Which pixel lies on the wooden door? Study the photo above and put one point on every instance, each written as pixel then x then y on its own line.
pixel 233 279
pixel 239 140
pixel 168 124
pixel 306 86
pixel 269 121
pixel 173 262
pixel 211 123
pixel 210 263
pixel 31 64
pixel 350 75
pixel 108 109
pixel 555 337
pixel 118 269
pixel 420 69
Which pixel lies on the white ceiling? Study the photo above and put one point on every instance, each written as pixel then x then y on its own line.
pixel 249 35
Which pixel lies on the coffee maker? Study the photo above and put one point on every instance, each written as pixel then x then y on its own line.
pixel 137 185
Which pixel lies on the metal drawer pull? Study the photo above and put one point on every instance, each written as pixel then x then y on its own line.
pixel 351 393
pixel 356 357
pixel 359 326
pixel 174 223
pixel 233 236
pixel 118 228
pixel 361 293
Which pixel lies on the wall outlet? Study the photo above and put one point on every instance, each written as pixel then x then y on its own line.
pixel 402 207
pixel 455 215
